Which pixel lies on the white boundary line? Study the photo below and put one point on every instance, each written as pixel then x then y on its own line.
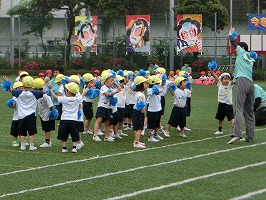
pixel 112 155
pixel 186 181
pixel 129 170
pixel 248 195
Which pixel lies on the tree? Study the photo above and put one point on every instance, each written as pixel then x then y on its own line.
pixel 118 8
pixel 207 8
pixel 72 8
pixel 36 23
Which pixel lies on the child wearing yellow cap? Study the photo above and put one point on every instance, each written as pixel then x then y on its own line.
pixel 27 103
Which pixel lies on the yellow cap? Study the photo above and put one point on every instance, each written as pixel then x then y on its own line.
pixel 178 80
pixel 139 79
pixel 181 73
pixel 17 84
pixel 161 70
pixel 23 73
pixel 120 78
pixel 105 71
pixel 105 76
pixel 75 79
pixel 58 78
pixel 154 80
pixel 125 72
pixel 88 77
pixel 38 83
pixel 72 87
pixel 27 81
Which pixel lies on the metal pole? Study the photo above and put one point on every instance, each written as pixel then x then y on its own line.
pixel 171 34
pixel 166 41
pixel 114 43
pixel 215 36
pixel 12 35
pixel 231 24
pixel 65 44
pixel 19 42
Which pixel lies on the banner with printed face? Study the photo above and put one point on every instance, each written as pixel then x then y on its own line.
pixel 85 38
pixel 189 33
pixel 257 22
pixel 138 33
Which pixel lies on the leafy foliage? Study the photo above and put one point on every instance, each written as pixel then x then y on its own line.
pixel 124 7
pixel 207 8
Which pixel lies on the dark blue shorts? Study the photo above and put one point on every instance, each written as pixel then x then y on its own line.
pixel 67 127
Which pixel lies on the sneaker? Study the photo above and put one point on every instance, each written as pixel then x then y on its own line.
pixel 139 145
pixel 96 138
pixel 64 150
pixel 15 144
pixel 85 132
pixel 45 145
pixel 183 135
pixel 74 150
pixel 158 137
pixel 124 126
pixel 80 145
pixel 23 148
pixel 166 134
pixel 116 136
pixel 243 140
pixel 32 148
pixel 218 133
pixel 178 128
pixel 100 133
pixel 187 129
pixel 160 130
pixel 234 138
pixel 152 139
pixel 123 134
pixel 127 129
pixel 109 139
pixel 26 143
pixel 142 133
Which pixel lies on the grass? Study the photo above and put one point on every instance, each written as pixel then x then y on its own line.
pixel 104 170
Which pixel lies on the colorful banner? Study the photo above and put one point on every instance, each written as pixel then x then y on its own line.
pixel 257 22
pixel 138 33
pixel 189 33
pixel 85 39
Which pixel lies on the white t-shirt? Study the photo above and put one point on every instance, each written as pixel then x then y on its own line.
pixel 154 101
pixel 225 93
pixel 130 94
pixel 62 90
pixel 81 119
pixel 181 97
pixel 15 115
pixel 141 96
pixel 104 100
pixel 164 88
pixel 44 105
pixel 70 107
pixel 121 99
pixel 27 101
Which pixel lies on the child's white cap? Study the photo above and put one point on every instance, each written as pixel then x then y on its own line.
pixel 225 74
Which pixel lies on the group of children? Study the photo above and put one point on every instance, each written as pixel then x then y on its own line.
pixel 122 103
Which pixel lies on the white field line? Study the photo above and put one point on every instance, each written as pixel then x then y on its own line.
pixel 112 155
pixel 129 170
pixel 248 195
pixel 186 181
